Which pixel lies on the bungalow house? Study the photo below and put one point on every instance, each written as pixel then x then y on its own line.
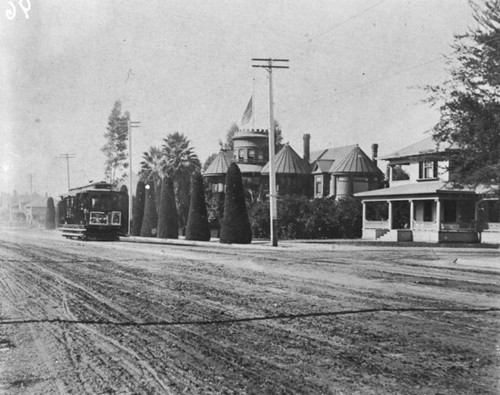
pixel 423 203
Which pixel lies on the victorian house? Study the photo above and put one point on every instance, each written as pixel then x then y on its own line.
pixel 330 172
pixel 423 203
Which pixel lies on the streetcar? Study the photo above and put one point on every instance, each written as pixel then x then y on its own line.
pixel 93 212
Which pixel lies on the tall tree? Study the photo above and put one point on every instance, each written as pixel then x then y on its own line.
pixel 197 226
pixel 168 219
pixel 115 148
pixel 150 220
pixel 50 216
pixel 138 212
pixel 180 162
pixel 469 101
pixel 235 223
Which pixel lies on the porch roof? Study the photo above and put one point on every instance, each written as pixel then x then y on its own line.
pixel 416 189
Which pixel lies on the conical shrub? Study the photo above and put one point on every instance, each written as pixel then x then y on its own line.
pixel 150 220
pixel 235 224
pixel 123 207
pixel 168 219
pixel 197 225
pixel 50 215
pixel 138 214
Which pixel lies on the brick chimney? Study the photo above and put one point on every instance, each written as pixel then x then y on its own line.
pixel 307 141
pixel 374 153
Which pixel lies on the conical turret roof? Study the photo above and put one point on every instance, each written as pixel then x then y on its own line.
pixel 287 161
pixel 220 164
pixel 356 162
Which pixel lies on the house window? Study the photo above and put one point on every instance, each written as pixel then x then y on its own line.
pixel 450 211
pixel 261 156
pixel 241 155
pixel 251 155
pixel 427 170
pixel 319 186
pixel 399 172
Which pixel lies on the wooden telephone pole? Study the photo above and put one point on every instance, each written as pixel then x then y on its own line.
pixel 130 125
pixel 272 171
pixel 67 157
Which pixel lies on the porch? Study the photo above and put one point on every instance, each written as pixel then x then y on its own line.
pixel 426 219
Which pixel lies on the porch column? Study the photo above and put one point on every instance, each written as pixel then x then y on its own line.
pixel 389 216
pixel 364 213
pixel 438 214
pixel 412 210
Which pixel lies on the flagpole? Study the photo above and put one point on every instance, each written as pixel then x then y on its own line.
pixel 253 98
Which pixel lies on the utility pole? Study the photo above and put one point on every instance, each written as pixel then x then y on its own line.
pixel 272 171
pixel 31 185
pixel 130 125
pixel 67 157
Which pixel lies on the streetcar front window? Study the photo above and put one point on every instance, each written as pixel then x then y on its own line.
pixel 102 203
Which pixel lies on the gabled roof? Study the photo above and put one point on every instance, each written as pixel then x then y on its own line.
pixel 356 161
pixel 425 146
pixel 419 188
pixel 322 166
pixel 331 153
pixel 220 164
pixel 42 202
pixel 287 161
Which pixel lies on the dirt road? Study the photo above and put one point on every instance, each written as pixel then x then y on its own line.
pixel 115 317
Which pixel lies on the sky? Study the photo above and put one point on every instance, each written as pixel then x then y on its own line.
pixel 356 68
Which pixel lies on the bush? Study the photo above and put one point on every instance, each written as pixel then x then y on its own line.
pixel 123 206
pixel 197 225
pixel 50 215
pixel 168 219
pixel 150 220
pixel 138 214
pixel 235 223
pixel 300 218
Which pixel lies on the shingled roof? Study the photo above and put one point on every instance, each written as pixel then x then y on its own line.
pixel 287 161
pixel 425 146
pixel 220 164
pixel 334 154
pixel 355 162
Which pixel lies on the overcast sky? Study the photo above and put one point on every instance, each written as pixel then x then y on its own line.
pixel 182 65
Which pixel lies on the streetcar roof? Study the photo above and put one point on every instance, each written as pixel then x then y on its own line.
pixel 94 187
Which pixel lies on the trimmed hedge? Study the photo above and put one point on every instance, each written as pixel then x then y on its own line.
pixel 235 227
pixel 150 220
pixel 138 214
pixel 301 218
pixel 197 224
pixel 50 215
pixel 168 219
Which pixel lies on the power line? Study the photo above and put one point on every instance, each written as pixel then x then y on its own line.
pixel 255 318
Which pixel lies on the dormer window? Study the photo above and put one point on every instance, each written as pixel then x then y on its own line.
pixel 241 155
pixel 428 170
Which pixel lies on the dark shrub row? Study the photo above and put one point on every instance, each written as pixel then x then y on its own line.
pixel 300 218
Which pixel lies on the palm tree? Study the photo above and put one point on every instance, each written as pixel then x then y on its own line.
pixel 179 163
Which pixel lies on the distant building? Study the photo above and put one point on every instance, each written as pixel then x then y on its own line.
pixel 36 211
pixel 423 203
pixel 331 172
